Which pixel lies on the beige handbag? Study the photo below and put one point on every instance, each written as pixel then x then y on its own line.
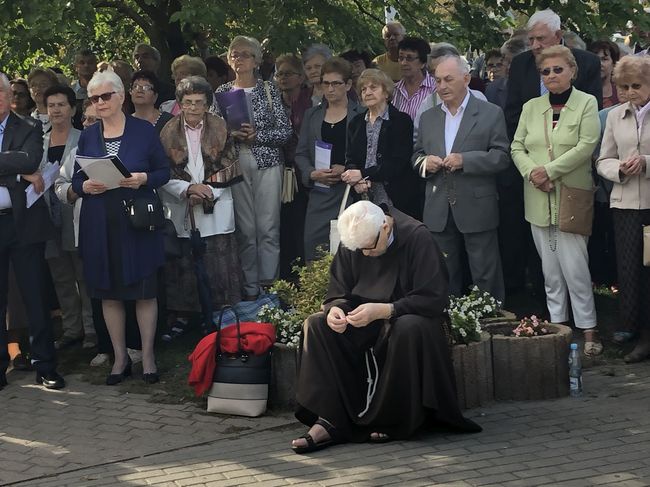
pixel 335 238
pixel 646 245
pixel 576 210
pixel 576 214
pixel 289 184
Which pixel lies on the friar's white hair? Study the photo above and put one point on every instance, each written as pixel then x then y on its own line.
pixel 360 223
pixel 546 17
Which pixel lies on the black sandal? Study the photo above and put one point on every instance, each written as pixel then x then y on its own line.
pixel 312 446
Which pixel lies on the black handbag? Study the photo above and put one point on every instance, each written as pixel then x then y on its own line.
pixel 240 384
pixel 145 211
pixel 173 244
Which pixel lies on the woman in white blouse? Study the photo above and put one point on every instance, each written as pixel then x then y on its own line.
pixel 204 165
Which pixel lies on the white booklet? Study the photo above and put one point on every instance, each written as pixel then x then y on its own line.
pixel 108 170
pixel 49 173
pixel 322 159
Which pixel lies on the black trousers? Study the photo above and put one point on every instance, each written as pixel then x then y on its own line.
pixel 633 276
pixel 29 264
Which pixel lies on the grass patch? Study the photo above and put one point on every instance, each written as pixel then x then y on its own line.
pixel 173 366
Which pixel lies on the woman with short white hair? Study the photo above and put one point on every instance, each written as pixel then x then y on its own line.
pixel 257 198
pixel 120 261
pixel 624 158
pixel 375 365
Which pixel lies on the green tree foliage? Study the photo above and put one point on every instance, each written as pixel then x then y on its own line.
pixel 49 33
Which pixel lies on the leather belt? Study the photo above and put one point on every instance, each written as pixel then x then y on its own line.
pixel 6 211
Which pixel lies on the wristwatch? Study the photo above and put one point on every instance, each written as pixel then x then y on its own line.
pixel 392 311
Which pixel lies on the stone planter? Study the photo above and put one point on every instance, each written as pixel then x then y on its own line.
pixel 284 368
pixel 473 371
pixel 529 367
pixel 504 315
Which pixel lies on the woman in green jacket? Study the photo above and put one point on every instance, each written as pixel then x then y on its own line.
pixel 555 138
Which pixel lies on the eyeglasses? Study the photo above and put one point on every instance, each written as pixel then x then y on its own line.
pixel 192 103
pixel 495 65
pixel 408 59
pixel 555 69
pixel 19 94
pixel 104 96
pixel 240 55
pixel 143 88
pixel 333 84
pixel 376 242
pixel 285 74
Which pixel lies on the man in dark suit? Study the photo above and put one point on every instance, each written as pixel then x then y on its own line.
pixel 461 146
pixel 23 232
pixel 524 83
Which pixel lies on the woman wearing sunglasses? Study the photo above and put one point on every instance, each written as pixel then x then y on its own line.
pixel 624 161
pixel 120 262
pixel 552 148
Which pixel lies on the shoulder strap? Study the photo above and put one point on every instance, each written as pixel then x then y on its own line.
pixel 344 201
pixel 549 147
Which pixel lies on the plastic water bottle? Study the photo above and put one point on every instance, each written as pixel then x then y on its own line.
pixel 575 372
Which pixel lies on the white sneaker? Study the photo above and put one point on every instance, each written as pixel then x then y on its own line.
pixel 100 359
pixel 136 355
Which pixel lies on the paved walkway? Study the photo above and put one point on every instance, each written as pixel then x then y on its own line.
pixel 92 435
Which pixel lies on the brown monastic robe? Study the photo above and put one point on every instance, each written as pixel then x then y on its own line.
pixel 389 377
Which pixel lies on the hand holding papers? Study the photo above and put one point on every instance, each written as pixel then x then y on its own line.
pixel 322 160
pixel 48 175
pixel 104 172
pixel 235 108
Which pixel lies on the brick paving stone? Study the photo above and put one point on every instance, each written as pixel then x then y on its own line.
pixel 564 442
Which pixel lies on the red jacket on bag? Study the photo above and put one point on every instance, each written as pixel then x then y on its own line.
pixel 256 338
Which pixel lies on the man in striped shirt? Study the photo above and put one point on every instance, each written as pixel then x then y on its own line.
pixel 416 83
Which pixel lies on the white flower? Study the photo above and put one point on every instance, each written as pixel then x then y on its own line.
pixel 462 332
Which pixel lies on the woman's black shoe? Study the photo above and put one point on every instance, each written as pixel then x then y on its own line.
pixel 114 379
pixel 151 378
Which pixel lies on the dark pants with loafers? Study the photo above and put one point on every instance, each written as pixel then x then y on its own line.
pixel 29 264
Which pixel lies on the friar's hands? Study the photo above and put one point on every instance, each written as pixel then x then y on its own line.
pixel 367 313
pixel 336 319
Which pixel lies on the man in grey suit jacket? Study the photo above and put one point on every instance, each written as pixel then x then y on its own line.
pixel 461 145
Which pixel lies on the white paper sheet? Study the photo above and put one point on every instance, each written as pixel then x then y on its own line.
pixel 50 173
pixel 101 169
pixel 322 159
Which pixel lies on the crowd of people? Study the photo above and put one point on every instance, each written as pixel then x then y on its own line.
pixel 499 160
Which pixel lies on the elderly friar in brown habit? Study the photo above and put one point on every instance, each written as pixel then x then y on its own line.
pixel 375 364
